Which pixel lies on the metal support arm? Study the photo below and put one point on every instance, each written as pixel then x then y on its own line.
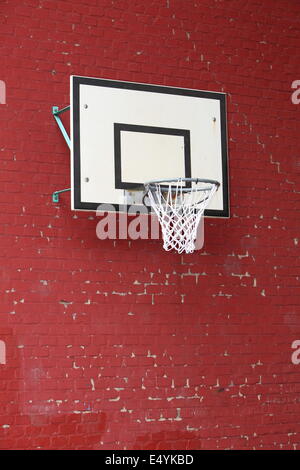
pixel 55 195
pixel 56 112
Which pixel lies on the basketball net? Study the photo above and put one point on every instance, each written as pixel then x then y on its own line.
pixel 179 209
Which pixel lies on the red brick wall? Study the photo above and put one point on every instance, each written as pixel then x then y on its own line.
pixel 121 345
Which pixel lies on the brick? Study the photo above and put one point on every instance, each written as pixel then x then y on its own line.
pixel 114 346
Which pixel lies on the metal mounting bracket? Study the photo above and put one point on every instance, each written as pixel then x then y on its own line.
pixel 56 112
pixel 55 195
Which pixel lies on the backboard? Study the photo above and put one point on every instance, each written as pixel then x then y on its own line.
pixel 124 134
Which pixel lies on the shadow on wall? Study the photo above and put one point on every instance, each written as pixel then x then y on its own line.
pixel 28 421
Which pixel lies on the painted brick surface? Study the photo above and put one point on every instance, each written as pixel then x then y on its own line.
pixel 117 344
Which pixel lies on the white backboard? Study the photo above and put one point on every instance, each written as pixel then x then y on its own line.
pixel 124 134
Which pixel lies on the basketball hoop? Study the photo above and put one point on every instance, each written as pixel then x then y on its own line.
pixel 179 204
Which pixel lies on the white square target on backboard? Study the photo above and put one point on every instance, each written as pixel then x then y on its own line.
pixel 125 134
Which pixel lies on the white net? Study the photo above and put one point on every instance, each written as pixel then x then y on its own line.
pixel 179 205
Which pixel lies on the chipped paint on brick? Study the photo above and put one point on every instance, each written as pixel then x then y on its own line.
pixel 116 343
